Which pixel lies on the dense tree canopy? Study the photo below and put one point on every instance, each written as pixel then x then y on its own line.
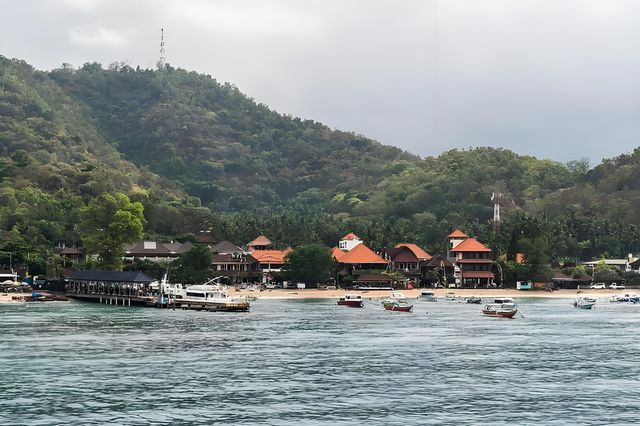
pixel 310 263
pixel 107 223
pixel 200 155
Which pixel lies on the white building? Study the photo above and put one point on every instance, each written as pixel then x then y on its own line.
pixel 349 241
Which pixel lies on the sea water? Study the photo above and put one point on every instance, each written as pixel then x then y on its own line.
pixel 305 362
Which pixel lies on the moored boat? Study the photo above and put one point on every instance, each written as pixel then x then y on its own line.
pixel 208 297
pixel 625 298
pixel 474 300
pixel 397 305
pixel 500 310
pixel 351 300
pixel 584 303
pixel 428 296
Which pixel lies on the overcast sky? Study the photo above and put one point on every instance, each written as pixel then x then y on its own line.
pixel 557 79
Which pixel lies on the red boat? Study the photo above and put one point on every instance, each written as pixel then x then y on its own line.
pixel 500 310
pixel 351 300
pixel 397 305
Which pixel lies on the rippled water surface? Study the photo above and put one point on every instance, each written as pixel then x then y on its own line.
pixel 313 362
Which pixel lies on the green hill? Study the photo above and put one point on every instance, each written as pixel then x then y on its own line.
pixel 201 155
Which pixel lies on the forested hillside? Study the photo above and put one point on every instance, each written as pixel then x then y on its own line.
pixel 200 155
pixel 224 148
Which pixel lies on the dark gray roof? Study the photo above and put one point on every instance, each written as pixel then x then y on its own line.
pixel 153 248
pixel 436 259
pixel 367 277
pixel 111 276
pixel 225 247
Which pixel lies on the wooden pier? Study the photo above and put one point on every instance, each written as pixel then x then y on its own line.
pixel 116 300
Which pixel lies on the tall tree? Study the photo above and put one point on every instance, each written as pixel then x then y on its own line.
pixel 310 263
pixel 109 222
pixel 193 266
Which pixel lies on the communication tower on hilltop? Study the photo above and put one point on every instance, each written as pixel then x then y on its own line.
pixel 161 61
pixel 495 197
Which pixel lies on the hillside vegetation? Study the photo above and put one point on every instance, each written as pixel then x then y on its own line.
pixel 200 155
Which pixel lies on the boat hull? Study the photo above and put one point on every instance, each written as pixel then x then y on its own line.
pixel 584 305
pixel 499 314
pixel 397 308
pixel 351 303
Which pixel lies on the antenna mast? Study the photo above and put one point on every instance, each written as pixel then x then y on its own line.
pixel 161 61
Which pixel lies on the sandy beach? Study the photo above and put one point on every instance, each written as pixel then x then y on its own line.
pixel 485 293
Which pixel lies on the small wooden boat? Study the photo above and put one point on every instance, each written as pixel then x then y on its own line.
pixel 397 305
pixel 351 300
pixel 500 310
pixel 584 303
pixel 474 300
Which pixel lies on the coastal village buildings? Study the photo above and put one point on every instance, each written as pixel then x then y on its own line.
pixel 357 260
pixel 154 251
pixel 269 260
pixel 472 259
pixel 229 260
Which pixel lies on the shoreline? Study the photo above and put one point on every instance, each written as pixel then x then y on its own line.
pixel 440 293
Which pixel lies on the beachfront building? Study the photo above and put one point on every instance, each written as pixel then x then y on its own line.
pixel 472 260
pixel 155 251
pixel 622 265
pixel 408 259
pixel 372 281
pixel 229 260
pixel 561 280
pixel 269 260
pixel 360 259
pixel 441 268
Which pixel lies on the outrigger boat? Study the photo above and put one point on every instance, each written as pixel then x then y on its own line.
pixel 397 302
pixel 351 300
pixel 500 310
pixel 584 303
pixel 397 305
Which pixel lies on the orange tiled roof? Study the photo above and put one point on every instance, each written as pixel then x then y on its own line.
pixel 270 256
pixel 471 244
pixel 362 254
pixel 337 253
pixel 520 257
pixel 457 234
pixel 350 236
pixel 260 241
pixel 416 250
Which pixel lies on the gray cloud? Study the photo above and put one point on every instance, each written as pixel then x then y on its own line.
pixel 555 79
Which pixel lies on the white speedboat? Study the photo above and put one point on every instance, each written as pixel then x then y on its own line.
pixel 428 296
pixel 210 297
pixel 584 303
pixel 351 300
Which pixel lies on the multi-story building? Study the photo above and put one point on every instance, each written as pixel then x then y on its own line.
pixel 473 261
